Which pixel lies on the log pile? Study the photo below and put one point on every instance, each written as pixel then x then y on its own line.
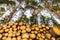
pixel 23 31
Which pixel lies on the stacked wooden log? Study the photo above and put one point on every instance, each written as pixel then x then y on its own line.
pixel 23 31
